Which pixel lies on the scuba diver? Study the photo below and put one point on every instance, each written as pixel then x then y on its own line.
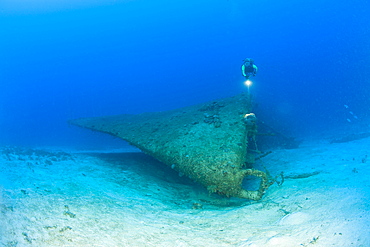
pixel 249 68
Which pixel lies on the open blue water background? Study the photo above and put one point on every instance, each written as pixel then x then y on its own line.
pixel 76 59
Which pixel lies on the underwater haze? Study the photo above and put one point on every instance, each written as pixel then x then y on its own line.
pixel 204 177
pixel 72 59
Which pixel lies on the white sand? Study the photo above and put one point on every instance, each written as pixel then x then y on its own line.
pixel 58 199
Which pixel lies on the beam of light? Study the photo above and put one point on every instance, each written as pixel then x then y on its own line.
pixel 248 83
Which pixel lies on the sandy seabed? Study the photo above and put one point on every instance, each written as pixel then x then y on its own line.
pixel 125 198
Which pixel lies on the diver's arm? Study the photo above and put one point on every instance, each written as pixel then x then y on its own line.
pixel 255 69
pixel 243 70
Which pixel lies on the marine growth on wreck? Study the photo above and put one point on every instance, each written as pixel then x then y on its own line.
pixel 212 143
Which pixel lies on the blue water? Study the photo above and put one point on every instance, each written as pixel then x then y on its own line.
pixel 74 59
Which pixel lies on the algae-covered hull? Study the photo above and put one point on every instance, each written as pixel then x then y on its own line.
pixel 207 142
